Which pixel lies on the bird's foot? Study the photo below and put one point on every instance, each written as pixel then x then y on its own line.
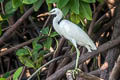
pixel 74 72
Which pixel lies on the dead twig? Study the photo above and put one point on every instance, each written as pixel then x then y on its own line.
pixel 15 47
pixel 94 18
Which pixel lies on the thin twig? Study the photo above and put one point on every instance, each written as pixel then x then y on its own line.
pixel 55 59
pixel 94 19
pixel 16 47
pixel 46 22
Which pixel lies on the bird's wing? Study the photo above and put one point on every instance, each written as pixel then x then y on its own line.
pixel 71 30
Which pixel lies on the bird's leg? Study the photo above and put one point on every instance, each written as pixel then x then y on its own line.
pixel 88 48
pixel 76 70
pixel 77 59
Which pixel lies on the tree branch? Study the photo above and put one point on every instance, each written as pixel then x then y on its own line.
pixel 14 26
pixel 83 58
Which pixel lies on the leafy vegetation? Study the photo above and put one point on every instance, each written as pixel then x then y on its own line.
pixel 33 57
pixel 14 19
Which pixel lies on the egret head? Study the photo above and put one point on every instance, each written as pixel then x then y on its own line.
pixel 55 11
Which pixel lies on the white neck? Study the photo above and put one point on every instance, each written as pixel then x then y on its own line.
pixel 56 20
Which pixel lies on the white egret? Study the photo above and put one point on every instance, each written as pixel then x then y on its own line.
pixel 70 31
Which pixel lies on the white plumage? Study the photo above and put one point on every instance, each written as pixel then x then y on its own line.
pixel 71 32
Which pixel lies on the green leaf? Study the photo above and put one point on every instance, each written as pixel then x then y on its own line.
pixel 75 6
pixel 49 6
pixel 85 10
pixel 62 3
pixel 29 1
pixel 0 29
pixel 1 19
pixel 16 3
pixel 100 1
pixel 39 61
pixel 1 0
pixel 37 5
pixel 17 73
pixel 89 1
pixel 26 61
pixel 66 9
pixel 35 53
pixel 21 9
pixel 45 30
pixel 74 18
pixel 53 34
pixel 51 1
pixel 6 75
pixel 8 8
pixel 43 52
pixel 22 52
pixel 3 79
pixel 35 44
pixel 82 17
pixel 47 43
pixel 37 47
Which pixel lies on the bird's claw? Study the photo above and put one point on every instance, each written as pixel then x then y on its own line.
pixel 74 72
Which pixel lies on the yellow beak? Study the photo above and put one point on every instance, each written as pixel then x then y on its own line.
pixel 43 14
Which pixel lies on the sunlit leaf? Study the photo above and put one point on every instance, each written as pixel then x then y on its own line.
pixel 3 79
pixel 17 73
pixel 8 8
pixel 29 1
pixel 1 19
pixel 85 10
pixel 62 3
pixel 74 18
pixel 47 43
pixel 75 6
pixel 22 52
pixel 37 5
pixel 16 3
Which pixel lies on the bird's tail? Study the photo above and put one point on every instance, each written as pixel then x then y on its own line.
pixel 93 47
